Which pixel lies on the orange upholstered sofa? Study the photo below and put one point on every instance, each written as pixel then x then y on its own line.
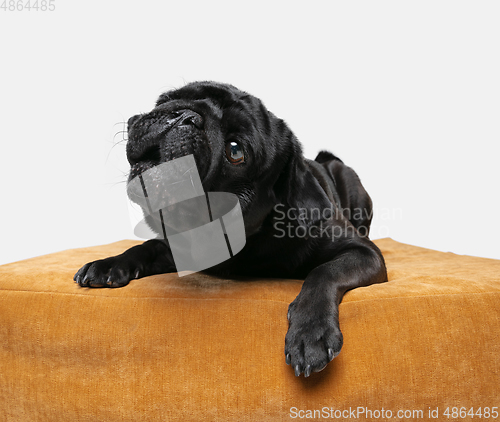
pixel 196 348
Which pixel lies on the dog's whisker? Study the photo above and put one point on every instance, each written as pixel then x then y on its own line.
pixel 120 142
pixel 117 183
pixel 117 133
pixel 114 145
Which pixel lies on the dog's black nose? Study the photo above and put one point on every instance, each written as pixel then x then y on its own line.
pixel 188 118
pixel 162 135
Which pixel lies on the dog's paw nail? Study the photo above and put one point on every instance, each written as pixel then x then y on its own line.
pixel 136 274
pixel 84 281
pixel 109 282
pixel 331 355
pixel 288 359
pixel 307 371
pixel 297 370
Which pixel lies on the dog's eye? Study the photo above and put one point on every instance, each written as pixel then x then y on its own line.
pixel 234 153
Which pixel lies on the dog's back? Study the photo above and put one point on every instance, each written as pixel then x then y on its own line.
pixel 343 187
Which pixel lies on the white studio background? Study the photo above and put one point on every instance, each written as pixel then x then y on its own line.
pixel 406 93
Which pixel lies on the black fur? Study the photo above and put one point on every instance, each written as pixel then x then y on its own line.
pixel 303 219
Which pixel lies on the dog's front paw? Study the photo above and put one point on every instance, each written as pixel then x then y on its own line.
pixel 313 338
pixel 110 272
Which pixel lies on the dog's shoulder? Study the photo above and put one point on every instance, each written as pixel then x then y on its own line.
pixel 324 179
pixel 347 189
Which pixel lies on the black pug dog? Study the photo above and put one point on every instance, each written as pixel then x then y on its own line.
pixel 303 219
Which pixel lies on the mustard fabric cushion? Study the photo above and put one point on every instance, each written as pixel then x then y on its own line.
pixel 201 348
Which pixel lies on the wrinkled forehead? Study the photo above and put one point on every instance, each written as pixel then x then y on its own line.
pixel 220 94
pixel 237 109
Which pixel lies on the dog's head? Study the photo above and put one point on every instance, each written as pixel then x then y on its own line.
pixel 238 145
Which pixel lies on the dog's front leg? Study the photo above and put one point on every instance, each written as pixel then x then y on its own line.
pixel 152 257
pixel 314 337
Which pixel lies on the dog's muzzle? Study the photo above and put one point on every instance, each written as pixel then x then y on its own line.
pixel 160 136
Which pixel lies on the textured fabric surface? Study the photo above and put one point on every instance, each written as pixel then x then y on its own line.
pixel 201 348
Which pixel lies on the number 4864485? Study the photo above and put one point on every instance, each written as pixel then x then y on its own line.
pixel 462 412
pixel 28 5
